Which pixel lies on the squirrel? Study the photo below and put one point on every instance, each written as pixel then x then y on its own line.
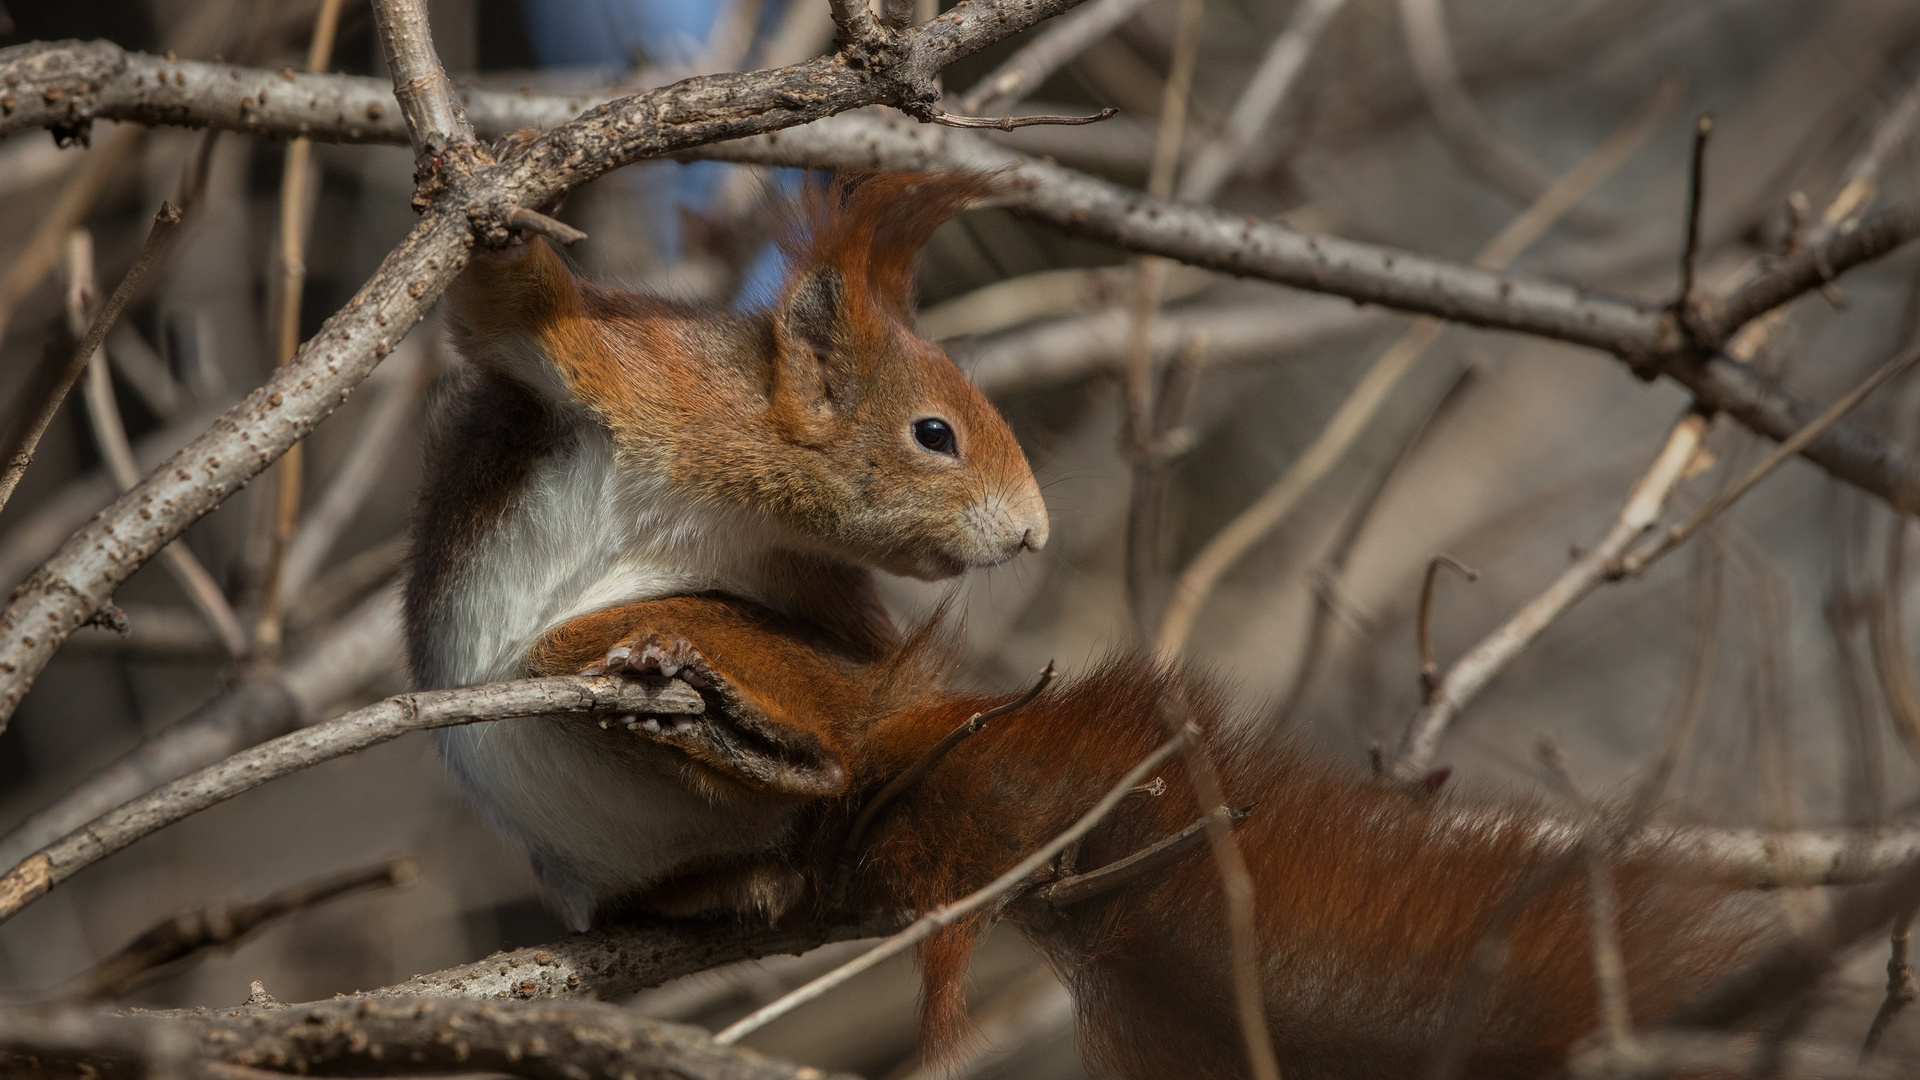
pixel 1375 905
pixel 606 448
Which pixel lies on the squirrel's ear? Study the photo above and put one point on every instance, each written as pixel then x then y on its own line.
pixel 811 328
pixel 813 315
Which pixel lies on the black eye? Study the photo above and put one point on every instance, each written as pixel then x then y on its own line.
pixel 935 435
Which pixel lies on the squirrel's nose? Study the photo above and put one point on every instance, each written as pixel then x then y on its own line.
pixel 1032 543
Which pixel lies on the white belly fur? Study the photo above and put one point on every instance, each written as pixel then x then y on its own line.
pixel 582 537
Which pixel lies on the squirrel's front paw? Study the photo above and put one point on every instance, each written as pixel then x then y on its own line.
pixel 652 654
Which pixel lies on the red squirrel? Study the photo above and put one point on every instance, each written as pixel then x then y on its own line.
pixel 607 448
pixel 1370 900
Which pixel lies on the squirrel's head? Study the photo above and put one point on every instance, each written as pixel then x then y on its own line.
pixel 893 452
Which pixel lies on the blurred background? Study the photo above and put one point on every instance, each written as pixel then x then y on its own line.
pixel 1776 633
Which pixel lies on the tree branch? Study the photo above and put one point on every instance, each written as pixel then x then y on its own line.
pixel 357 730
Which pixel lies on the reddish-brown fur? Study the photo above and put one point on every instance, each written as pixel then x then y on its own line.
pixel 1370 900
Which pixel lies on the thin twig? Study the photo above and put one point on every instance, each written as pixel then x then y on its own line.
pixel 1149 280
pixel 160 949
pixel 1218 160
pixel 101 166
pixel 1603 914
pixel 1330 586
pixel 296 210
pixel 357 730
pixel 947 914
pixel 1473 670
pixel 1151 859
pixel 911 775
pixel 24 434
pixel 1024 71
pixel 1429 668
pixel 366 464
pixel 1464 127
pixel 535 222
pixel 1008 123
pixel 1684 717
pixel 1901 989
pixel 1197 582
pixel 1633 564
pixel 1696 197
pixel 110 437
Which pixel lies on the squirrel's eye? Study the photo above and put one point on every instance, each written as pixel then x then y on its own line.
pixel 935 435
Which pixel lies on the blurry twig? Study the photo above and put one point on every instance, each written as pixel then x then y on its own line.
pixel 1603 914
pixel 1334 567
pixel 1048 52
pixel 351 653
pixel 1473 670
pixel 947 914
pixel 16 452
pixel 1144 417
pixel 357 730
pixel 1633 563
pixel 1684 718
pixel 1225 548
pixel 150 954
pixel 1900 985
pixel 110 436
pixel 296 205
pixel 1254 109
pixel 1685 305
pixel 1430 668
pixel 1466 129
pixel 365 465
pixel 38 256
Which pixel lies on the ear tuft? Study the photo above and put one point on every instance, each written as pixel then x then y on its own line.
pixel 871 228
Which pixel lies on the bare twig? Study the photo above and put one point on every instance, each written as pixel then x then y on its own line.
pixel 357 730
pixel 434 120
pixel 364 466
pixel 1008 123
pixel 911 775
pixel 1472 671
pixel 1901 989
pixel 296 208
pixel 1603 915
pixel 353 652
pixel 947 914
pixel 1149 277
pixel 110 437
pixel 1429 668
pixel 1024 71
pixel 1333 572
pixel 535 222
pixel 37 258
pixel 161 948
pixel 1632 564
pixel 1466 129
pixel 1147 861
pixel 1258 102
pixel 24 434
pixel 1197 582
pixel 1696 196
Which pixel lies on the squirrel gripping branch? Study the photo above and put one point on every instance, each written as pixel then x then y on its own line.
pixel 608 448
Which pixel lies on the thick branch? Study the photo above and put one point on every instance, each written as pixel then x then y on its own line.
pixel 342 735
pixel 561 1040
pixel 1641 333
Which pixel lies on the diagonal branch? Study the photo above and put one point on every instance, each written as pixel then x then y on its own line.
pixel 357 730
